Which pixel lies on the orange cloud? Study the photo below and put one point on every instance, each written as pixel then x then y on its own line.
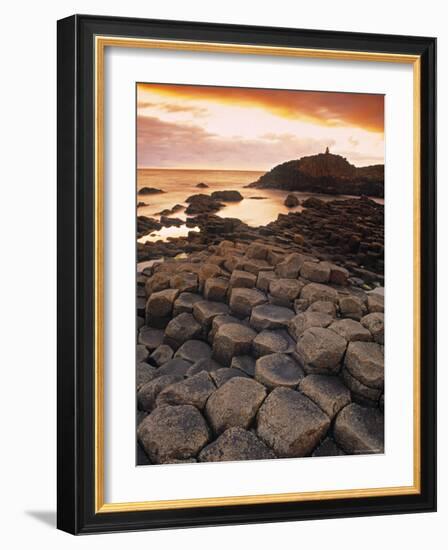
pixel 336 109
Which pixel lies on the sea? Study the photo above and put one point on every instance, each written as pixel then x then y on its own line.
pixel 259 207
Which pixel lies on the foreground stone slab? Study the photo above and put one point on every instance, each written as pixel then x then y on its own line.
pixel 323 307
pixel 207 364
pixel 194 350
pixel 215 289
pixel 173 433
pixel 142 353
pixel 180 329
pixel 205 311
pixel 222 375
pixel 290 423
pixel 360 392
pixel 365 361
pixel 289 268
pixel 303 321
pixel 244 363
pixel 144 373
pixel 374 323
pixel 351 330
pixel 243 300
pixel 328 448
pixel 175 366
pixel 235 444
pixel 360 430
pixel 327 392
pixel 231 340
pixel 286 290
pixel 150 337
pixel 375 303
pixel 314 292
pixel 242 279
pixel 270 317
pixel 185 301
pixel 234 404
pixel 162 354
pixel 316 272
pixel 278 369
pixel 159 307
pixel 191 391
pixel 351 307
pixel 321 350
pixel 272 341
pixel 146 396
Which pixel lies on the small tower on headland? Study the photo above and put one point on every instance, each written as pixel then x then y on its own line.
pixel 327 151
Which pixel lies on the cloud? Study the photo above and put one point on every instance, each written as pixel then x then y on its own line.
pixel 325 108
pixel 172 145
pixel 173 108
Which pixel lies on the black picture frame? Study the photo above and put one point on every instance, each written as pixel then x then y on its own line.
pixel 76 253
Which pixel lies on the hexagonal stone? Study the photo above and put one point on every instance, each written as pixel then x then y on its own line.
pixel 245 363
pixel 351 307
pixel 374 323
pixel 329 308
pixel 316 272
pixel 242 279
pixel 180 329
pixel 141 353
pixel 290 423
pixel 185 301
pixel 264 279
pixel 360 392
pixel 278 369
pixel 185 282
pixel 360 430
pixel 157 282
pixel 321 350
pixel 327 392
pixel 328 448
pixel 144 373
pixel 365 361
pixel 215 289
pixel 257 251
pixel 231 340
pixel 254 266
pixel 303 321
pixel 314 292
pixel 220 320
pixel 175 366
pixel 159 307
pixel 285 290
pixel 289 268
pixel 268 316
pixel 150 337
pixel 338 275
pixel 222 375
pixel 351 330
pixel 235 403
pixel 207 365
pixel 272 341
pixel 161 354
pixel 173 433
pixel 243 300
pixel 147 394
pixel 375 302
pixel 194 350
pixel 236 444
pixel 191 391
pixel 205 311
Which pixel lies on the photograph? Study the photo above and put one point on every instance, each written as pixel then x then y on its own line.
pixel 259 273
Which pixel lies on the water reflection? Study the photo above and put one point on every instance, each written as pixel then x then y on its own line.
pixel 167 233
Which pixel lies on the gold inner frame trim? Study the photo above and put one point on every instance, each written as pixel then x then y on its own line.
pixel 101 42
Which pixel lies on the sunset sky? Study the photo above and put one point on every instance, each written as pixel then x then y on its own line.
pixel 205 127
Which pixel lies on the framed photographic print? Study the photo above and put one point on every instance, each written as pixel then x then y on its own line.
pixel 246 271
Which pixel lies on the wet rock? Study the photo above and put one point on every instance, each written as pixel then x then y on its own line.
pixel 162 354
pixel 150 337
pixel 185 301
pixel 159 307
pixel 147 394
pixel 144 373
pixel 269 316
pixel 272 341
pixel 316 272
pixel 278 369
pixel 227 196
pixel 328 308
pixel 244 363
pixel 338 275
pixel 209 271
pixel 222 375
pixel 291 201
pixel 142 353
pixel 365 361
pixel 289 268
pixel 375 303
pixel 220 320
pixel 181 328
pixel 242 279
pixel 285 290
pixel 351 330
pixel 185 282
pixel 243 300
pixel 327 392
pixel 215 289
pixel 254 266
pixel 290 423
pixel 150 191
pixel 321 350
pixel 360 392
pixel 351 307
pixel 230 340
pixel 206 364
pixel 205 311
pixel 175 366
pixel 173 433
pixel 236 444
pixel 328 448
pixel 264 279
pixel 194 350
pixel 202 185
pixel 234 404
pixel 314 292
pixel 202 204
pixel 157 282
pixel 191 391
pixel 374 323
pixel 360 430
pixel 257 251
pixel 303 321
